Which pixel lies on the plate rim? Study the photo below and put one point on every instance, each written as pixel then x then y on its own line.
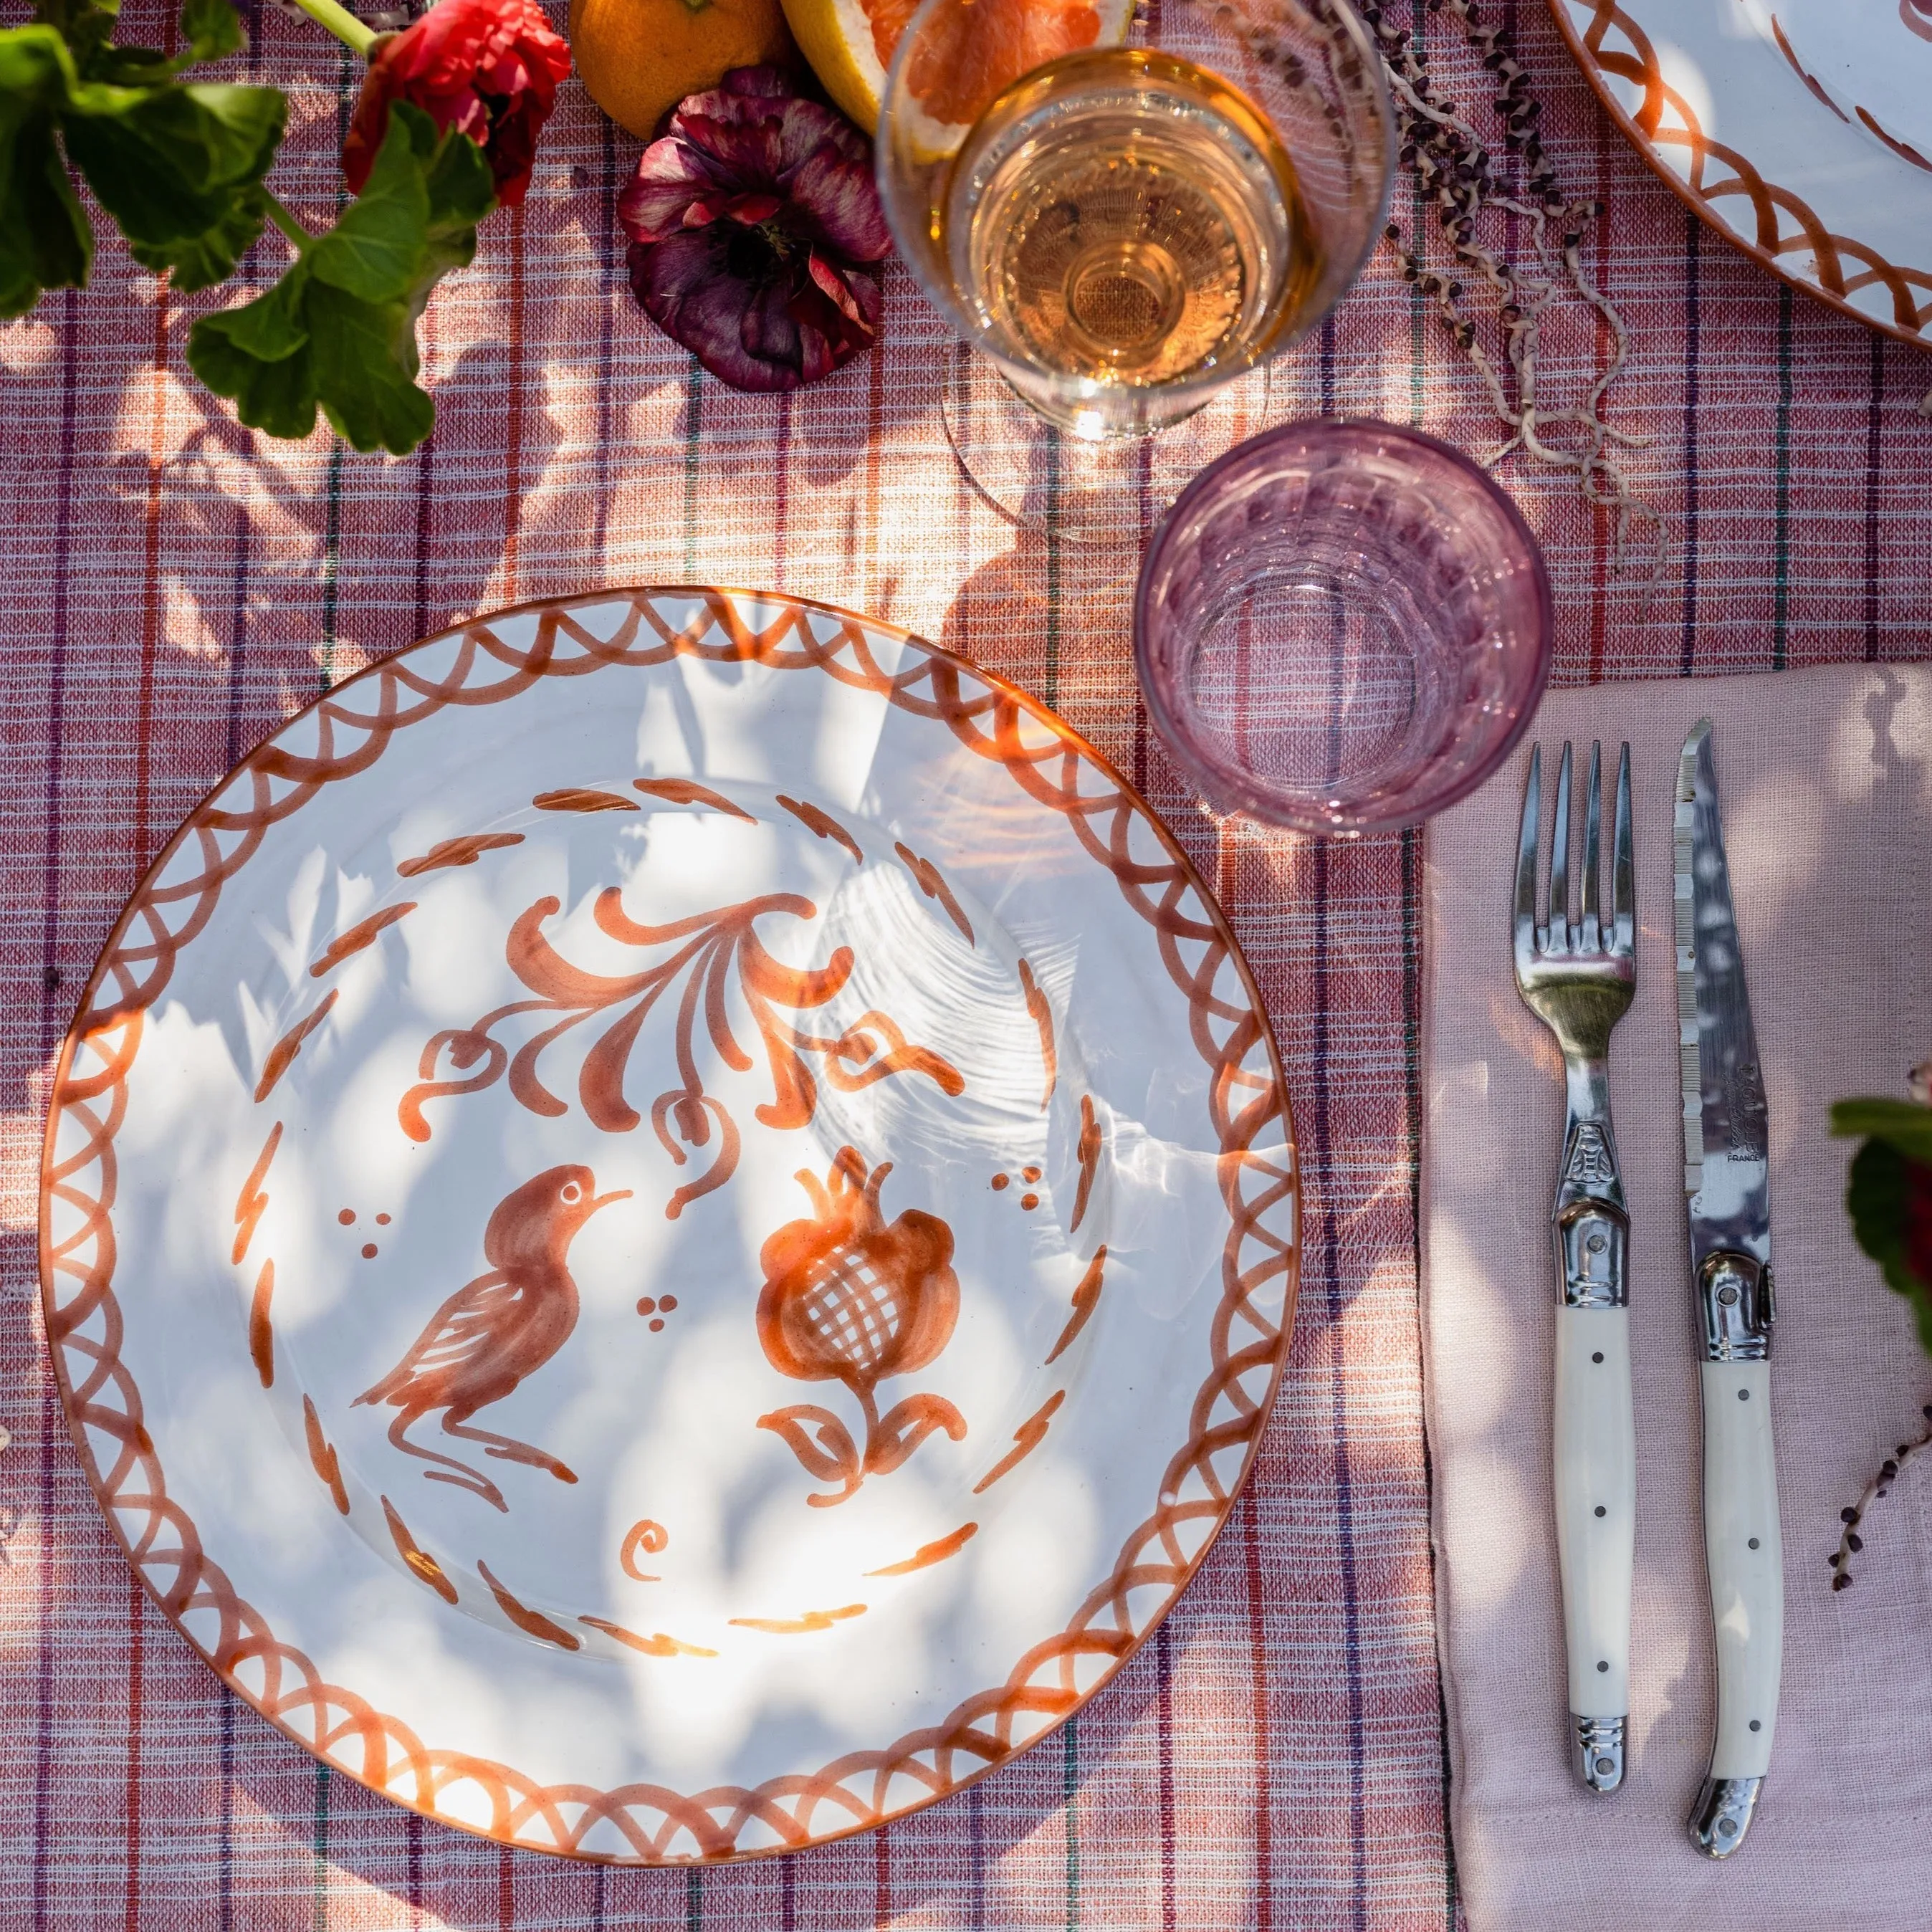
pixel 88 1020
pixel 1610 13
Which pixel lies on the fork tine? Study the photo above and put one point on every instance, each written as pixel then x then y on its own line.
pixel 1559 862
pixel 1623 879
pixel 1525 856
pixel 1593 817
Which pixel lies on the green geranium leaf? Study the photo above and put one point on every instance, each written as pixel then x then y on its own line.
pixel 178 166
pixel 365 359
pixel 271 327
pixel 45 242
pixel 462 190
pixel 172 163
pixel 129 66
pixel 211 28
pixel 37 73
pixel 275 393
pixel 1878 1196
pixel 84 25
pixel 257 354
pixel 378 249
pixel 338 332
pixel 210 257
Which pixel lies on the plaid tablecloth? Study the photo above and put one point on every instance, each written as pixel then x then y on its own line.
pixel 172 586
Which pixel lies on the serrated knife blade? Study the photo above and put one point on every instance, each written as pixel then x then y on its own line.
pixel 1726 1148
pixel 1727 1197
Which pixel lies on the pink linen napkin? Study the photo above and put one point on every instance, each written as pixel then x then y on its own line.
pixel 1825 781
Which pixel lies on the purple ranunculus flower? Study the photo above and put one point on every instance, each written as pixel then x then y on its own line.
pixel 749 221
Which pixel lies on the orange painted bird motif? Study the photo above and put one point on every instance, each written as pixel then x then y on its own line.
pixel 503 1326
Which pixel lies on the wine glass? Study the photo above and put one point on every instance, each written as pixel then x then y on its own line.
pixel 1124 210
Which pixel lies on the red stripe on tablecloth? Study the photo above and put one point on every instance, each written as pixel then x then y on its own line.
pixel 1603 520
pixel 875 416
pixel 420 623
pixel 136 1743
pixel 1693 237
pixel 781 492
pixel 1258 1690
pixel 513 412
pixel 1163 1661
pixel 151 579
pixel 1875 397
pixel 238 637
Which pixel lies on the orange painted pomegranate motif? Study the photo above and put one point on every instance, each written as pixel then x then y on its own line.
pixel 847 1298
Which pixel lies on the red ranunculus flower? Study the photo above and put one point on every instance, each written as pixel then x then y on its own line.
pixel 488 68
pixel 749 222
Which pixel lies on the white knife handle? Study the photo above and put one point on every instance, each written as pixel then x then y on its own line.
pixel 1744 1553
pixel 1595 1460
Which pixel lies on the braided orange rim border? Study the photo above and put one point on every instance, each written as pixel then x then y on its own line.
pixel 1910 317
pixel 391 1760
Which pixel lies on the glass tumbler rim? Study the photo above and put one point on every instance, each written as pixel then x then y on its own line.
pixel 908 233
pixel 1233 790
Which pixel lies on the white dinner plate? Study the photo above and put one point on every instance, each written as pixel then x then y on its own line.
pixel 1798 129
pixel 669 1225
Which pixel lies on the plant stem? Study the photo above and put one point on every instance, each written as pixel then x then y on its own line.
pixel 287 223
pixel 1851 1543
pixel 353 33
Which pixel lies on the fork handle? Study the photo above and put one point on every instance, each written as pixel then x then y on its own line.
pixel 1595 1466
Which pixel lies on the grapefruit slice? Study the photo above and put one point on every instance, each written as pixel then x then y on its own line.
pixel 982 50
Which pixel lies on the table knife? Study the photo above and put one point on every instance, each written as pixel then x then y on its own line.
pixel 1726 1185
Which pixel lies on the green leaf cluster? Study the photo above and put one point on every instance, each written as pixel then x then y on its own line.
pixel 179 165
pixel 1891 1170
pixel 338 330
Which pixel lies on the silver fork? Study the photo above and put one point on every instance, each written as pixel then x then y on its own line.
pixel 1578 978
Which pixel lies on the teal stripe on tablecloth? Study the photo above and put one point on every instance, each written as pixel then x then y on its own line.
pixel 319 1881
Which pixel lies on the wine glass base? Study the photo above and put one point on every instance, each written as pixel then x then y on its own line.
pixel 1047 480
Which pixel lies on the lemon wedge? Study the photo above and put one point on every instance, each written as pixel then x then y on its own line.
pixel 836 36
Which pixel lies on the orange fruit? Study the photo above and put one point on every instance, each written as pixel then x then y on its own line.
pixel 639 58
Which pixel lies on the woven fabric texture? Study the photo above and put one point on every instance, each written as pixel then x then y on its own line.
pixel 1275 1757
pixel 1827 834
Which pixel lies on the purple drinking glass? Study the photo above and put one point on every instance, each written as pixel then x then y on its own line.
pixel 1342 628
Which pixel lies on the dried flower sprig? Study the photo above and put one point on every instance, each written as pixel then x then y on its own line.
pixel 1853 1518
pixel 1459 175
